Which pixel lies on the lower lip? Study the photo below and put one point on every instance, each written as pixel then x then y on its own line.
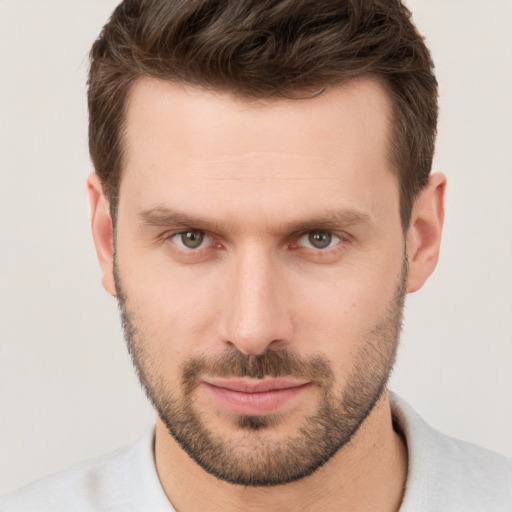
pixel 256 404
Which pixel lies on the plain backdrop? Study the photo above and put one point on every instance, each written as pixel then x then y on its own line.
pixel 67 388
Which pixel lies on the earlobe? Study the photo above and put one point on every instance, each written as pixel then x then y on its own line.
pixel 424 235
pixel 102 231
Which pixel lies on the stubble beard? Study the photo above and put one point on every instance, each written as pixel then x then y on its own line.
pixel 261 460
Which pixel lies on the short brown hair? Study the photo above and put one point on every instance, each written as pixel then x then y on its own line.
pixel 266 49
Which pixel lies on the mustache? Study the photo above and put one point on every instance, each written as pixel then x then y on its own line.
pixel 272 363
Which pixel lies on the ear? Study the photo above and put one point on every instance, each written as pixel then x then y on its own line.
pixel 424 235
pixel 102 231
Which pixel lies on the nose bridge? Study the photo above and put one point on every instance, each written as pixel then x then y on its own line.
pixel 255 311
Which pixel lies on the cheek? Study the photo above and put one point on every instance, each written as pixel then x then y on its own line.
pixel 173 307
pixel 336 316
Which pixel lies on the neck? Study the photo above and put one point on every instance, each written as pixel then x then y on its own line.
pixel 368 473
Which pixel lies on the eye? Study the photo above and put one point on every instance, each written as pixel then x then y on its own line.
pixel 319 240
pixel 191 239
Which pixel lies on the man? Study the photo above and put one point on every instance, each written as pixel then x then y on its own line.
pixel 261 205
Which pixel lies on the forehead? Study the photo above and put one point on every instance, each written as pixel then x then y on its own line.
pixel 184 140
pixel 187 113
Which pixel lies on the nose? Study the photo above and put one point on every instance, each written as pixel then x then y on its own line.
pixel 256 308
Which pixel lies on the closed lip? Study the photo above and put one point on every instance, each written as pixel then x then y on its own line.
pixel 255 386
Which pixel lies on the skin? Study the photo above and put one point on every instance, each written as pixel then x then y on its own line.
pixel 257 178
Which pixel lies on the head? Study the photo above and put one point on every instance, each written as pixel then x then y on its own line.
pixel 261 205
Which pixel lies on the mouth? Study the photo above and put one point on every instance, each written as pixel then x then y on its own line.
pixel 255 398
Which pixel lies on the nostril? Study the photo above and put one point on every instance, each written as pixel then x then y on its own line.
pixel 251 347
pixel 273 343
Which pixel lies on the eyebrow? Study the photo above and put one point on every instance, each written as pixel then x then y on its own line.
pixel 333 219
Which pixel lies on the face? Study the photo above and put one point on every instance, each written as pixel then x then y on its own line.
pixel 260 271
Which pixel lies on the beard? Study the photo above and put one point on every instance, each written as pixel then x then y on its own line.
pixel 255 458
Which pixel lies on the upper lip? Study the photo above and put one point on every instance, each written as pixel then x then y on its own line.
pixel 251 386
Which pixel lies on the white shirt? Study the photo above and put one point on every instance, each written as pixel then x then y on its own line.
pixel 444 475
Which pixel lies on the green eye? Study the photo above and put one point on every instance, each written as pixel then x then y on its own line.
pixel 320 239
pixel 191 239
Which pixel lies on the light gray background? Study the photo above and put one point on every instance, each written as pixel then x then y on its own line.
pixel 67 389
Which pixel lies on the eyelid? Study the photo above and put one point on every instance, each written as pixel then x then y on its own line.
pixel 214 240
pixel 211 241
pixel 205 242
pixel 341 236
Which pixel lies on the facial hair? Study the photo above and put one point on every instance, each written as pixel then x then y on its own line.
pixel 260 460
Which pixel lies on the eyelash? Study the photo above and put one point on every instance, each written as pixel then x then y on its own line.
pixel 329 233
pixel 189 253
pixel 168 237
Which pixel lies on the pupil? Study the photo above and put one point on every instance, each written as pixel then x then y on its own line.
pixel 192 239
pixel 320 240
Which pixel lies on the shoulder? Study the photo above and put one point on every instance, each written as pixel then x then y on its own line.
pixel 446 474
pixel 118 481
pixel 75 488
